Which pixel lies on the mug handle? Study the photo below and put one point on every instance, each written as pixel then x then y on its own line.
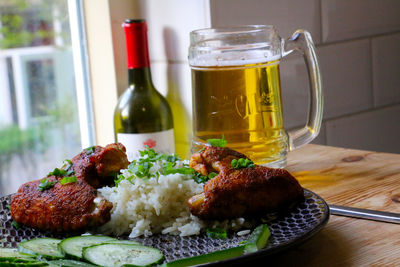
pixel 301 41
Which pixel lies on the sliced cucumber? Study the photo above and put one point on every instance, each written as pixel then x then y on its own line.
pixel 258 238
pixel 73 246
pixel 14 253
pixel 46 247
pixel 131 242
pixel 121 254
pixel 11 262
pixel 69 263
pixel 207 258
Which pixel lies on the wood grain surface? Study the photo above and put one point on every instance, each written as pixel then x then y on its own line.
pixel 356 178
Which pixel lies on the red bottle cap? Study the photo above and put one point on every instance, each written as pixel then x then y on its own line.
pixel 136 43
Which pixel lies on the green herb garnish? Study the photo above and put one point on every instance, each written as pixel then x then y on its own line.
pixel 8 207
pixel 66 170
pixel 58 172
pixel 201 179
pixel 242 163
pixel 217 142
pixel 216 233
pixel 67 165
pixel 168 168
pixel 119 179
pixel 89 150
pixel 140 168
pixel 45 184
pixel 212 175
pixel 15 225
pixel 67 180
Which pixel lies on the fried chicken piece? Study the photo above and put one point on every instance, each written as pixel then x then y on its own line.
pixel 73 206
pixel 240 192
pixel 69 207
pixel 213 159
pixel 98 165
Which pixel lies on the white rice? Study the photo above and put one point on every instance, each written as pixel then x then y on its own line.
pixel 157 205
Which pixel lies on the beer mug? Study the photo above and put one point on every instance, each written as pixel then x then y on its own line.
pixel 237 92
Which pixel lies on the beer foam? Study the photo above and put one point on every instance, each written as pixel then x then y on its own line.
pixel 234 58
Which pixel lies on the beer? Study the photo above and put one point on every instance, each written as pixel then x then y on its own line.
pixel 243 103
pixel 236 90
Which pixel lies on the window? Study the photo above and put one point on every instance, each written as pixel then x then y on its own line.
pixel 39 118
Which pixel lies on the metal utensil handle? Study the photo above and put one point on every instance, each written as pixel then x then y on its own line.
pixel 366 214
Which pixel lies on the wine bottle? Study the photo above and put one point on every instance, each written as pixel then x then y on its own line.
pixel 142 117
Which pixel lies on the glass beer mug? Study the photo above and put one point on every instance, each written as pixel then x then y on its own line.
pixel 237 92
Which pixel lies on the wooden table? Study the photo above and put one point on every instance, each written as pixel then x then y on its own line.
pixel 362 179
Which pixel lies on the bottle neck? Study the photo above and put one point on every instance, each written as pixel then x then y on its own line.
pixel 136 44
pixel 140 78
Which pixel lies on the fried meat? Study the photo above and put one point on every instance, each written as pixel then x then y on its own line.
pixel 240 192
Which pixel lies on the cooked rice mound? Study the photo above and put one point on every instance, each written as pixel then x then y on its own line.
pixel 145 206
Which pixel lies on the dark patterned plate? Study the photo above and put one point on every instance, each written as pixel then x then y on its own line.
pixel 289 229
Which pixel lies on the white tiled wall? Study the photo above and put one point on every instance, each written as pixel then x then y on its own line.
pixel 286 15
pixel 346 77
pixel 376 130
pixel 358 44
pixel 386 69
pixel 349 19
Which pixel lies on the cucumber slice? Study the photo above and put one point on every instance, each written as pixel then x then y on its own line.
pixel 207 258
pixel 69 263
pixel 131 242
pixel 121 254
pixel 10 262
pixel 73 246
pixel 46 247
pixel 258 238
pixel 14 253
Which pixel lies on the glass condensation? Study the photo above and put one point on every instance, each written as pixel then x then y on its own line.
pixel 39 126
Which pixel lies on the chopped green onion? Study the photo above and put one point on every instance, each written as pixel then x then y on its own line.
pixel 67 162
pixel 67 180
pixel 57 172
pixel 216 233
pixel 89 150
pixel 242 163
pixel 168 168
pixel 8 207
pixel 119 179
pixel 67 165
pixel 15 225
pixel 217 142
pixel 212 175
pixel 45 184
pixel 201 179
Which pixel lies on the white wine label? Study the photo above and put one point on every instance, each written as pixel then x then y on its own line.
pixel 161 142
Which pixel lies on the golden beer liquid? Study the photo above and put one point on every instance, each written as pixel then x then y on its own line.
pixel 243 103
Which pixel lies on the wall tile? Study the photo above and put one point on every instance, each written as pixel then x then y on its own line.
pixel 286 15
pixel 170 23
pixel 347 19
pixel 346 77
pixel 376 130
pixel 386 69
